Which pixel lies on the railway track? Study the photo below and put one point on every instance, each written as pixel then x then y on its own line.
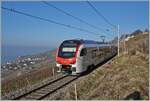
pixel 46 89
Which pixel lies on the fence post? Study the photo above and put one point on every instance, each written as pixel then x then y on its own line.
pixel 28 82
pixel 53 70
pixel 75 91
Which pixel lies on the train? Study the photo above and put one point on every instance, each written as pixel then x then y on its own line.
pixel 76 56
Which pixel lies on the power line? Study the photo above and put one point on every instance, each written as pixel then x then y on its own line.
pixel 48 20
pixel 77 18
pixel 100 14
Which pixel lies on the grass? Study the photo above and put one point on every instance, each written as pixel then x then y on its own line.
pixel 123 76
pixel 35 76
pixel 115 81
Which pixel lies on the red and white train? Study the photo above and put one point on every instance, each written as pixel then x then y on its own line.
pixel 77 56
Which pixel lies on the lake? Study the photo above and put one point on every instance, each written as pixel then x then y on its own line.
pixel 10 53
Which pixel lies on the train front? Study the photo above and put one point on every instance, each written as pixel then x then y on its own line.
pixel 67 56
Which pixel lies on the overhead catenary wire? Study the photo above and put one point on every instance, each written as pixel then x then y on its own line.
pixel 51 21
pixel 100 14
pixel 75 17
pixel 48 20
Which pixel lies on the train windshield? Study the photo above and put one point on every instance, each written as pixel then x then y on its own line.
pixel 67 49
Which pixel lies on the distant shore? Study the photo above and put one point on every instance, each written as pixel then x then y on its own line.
pixel 11 53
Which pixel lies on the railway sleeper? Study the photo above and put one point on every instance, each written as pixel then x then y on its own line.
pixel 44 89
pixel 42 92
pixel 30 97
pixel 48 89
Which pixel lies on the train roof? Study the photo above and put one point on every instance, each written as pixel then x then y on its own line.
pixel 88 42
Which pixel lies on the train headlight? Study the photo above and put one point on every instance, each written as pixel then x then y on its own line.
pixel 72 61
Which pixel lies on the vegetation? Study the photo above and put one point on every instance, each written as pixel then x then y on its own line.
pixel 137 32
pixel 146 30
pixel 35 76
pixel 126 76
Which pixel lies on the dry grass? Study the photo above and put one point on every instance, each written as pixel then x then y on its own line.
pixel 34 76
pixel 118 79
pixel 114 81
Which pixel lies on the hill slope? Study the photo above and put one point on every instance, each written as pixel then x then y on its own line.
pixel 124 77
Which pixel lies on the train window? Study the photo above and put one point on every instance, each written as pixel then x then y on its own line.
pixel 83 52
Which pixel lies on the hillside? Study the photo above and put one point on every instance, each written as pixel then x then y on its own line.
pixel 125 77
pixel 16 79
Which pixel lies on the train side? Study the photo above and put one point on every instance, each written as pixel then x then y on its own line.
pixel 82 55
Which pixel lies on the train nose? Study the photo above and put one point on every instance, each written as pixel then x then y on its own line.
pixel 66 61
pixel 73 61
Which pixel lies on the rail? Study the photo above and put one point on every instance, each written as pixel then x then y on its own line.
pixel 44 90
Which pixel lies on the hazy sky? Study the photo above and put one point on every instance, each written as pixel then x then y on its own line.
pixel 20 30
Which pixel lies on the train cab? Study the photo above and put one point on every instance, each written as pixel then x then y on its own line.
pixel 67 56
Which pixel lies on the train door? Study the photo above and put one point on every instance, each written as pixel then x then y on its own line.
pixel 83 59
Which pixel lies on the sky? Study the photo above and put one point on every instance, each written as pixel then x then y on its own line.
pixel 20 30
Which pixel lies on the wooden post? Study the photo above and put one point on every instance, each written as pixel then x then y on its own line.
pixel 75 91
pixel 53 70
pixel 28 82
